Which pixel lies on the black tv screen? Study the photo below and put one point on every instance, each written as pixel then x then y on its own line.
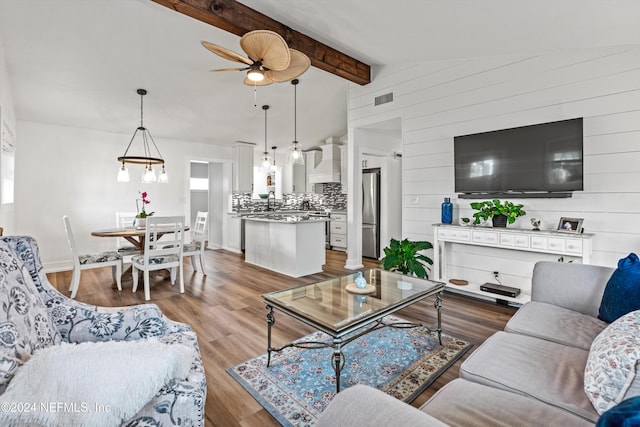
pixel 545 157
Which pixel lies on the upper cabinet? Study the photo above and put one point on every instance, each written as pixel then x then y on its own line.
pixel 369 161
pixel 242 168
pixel 293 178
pixel 311 160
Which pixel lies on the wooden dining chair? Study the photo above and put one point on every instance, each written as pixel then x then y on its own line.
pixel 123 246
pixel 198 241
pixel 87 261
pixel 160 255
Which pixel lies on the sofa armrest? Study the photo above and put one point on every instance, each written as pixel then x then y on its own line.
pixel 577 287
pixel 364 406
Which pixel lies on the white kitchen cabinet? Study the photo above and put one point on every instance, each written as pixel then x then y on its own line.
pixel 294 179
pixel 369 161
pixel 242 155
pixel 344 163
pixel 311 160
pixel 338 231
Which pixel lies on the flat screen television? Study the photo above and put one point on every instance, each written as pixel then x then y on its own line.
pixel 543 158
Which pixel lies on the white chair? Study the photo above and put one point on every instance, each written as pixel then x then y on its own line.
pixel 160 255
pixel 123 246
pixel 198 240
pixel 85 262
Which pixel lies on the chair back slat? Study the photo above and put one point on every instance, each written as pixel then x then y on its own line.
pixel 198 231
pixel 171 230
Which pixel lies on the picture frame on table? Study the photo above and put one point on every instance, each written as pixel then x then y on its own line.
pixel 570 225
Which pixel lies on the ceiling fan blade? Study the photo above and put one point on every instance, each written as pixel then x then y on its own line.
pixel 267 47
pixel 298 65
pixel 231 69
pixel 226 53
pixel 263 82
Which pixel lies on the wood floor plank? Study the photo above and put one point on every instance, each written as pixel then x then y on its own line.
pixel 226 310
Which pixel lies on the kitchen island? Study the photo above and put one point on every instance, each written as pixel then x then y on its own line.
pixel 291 244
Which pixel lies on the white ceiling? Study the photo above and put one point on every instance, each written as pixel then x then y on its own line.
pixel 79 62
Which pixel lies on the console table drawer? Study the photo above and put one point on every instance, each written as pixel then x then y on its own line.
pixel 459 235
pixel 485 237
pixel 574 246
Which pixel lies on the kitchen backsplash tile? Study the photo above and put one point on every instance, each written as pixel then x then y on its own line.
pixel 331 198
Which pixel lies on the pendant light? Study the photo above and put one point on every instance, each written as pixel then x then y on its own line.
pixel 295 155
pixel 148 159
pixel 273 165
pixel 265 159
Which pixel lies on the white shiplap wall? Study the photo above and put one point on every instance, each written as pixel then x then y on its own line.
pixel 440 100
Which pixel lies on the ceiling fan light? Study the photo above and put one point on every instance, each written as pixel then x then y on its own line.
pixel 255 75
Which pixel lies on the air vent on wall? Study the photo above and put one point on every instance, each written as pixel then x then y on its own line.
pixel 383 99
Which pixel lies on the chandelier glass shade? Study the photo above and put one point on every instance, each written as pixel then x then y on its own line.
pixel 148 155
pixel 295 155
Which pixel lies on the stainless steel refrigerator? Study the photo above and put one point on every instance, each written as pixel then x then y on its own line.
pixel 371 213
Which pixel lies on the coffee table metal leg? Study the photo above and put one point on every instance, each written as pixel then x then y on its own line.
pixel 337 360
pixel 438 306
pixel 270 321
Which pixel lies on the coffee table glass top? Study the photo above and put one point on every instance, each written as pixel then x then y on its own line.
pixel 329 304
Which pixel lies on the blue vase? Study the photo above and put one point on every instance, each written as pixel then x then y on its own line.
pixel 360 281
pixel 447 211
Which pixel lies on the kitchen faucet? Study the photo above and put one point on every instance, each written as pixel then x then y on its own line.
pixel 269 208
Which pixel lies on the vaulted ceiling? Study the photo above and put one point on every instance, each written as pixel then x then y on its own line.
pixel 79 63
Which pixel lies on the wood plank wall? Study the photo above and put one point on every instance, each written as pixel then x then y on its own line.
pixel 439 100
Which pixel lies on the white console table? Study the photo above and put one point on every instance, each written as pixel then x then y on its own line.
pixel 547 242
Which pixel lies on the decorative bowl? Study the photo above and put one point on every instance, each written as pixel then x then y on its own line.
pixel 263 196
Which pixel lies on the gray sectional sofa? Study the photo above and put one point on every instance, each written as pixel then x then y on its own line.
pixel 532 373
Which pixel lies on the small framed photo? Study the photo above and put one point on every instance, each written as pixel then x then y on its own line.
pixel 570 225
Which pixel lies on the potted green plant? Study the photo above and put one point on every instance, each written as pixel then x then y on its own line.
pixel 404 257
pixel 499 212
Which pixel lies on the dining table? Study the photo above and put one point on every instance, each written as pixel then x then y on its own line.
pixel 134 235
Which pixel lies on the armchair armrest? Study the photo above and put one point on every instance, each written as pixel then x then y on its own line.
pixel 577 287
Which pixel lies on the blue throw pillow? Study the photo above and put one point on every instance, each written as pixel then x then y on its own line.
pixel 625 414
pixel 622 293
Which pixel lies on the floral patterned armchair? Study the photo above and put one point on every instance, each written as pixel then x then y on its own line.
pixel 179 403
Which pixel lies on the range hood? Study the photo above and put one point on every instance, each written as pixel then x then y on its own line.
pixel 328 170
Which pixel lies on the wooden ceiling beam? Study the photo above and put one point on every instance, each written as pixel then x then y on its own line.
pixel 236 18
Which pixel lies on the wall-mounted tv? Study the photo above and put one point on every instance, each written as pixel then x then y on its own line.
pixel 542 160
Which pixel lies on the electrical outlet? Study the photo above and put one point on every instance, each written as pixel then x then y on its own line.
pixel 496 274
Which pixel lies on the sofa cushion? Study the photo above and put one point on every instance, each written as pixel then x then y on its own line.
pixel 610 373
pixel 626 414
pixel 465 403
pixel 101 384
pixel 24 321
pixel 622 293
pixel 549 372
pixel 552 323
pixel 364 406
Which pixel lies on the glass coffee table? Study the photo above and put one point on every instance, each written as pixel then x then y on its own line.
pixel 338 308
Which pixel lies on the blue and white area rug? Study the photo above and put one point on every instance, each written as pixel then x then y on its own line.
pixel 300 383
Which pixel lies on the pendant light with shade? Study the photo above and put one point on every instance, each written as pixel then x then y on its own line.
pixel 265 161
pixel 147 158
pixel 295 155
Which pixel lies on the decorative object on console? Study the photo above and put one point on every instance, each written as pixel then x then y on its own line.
pixel 459 282
pixel 146 158
pixel 499 212
pixel 570 225
pixel 447 211
pixel 622 293
pixel 535 224
pixel 360 281
pixel 405 258
pixel 295 155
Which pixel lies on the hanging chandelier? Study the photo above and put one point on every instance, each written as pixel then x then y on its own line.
pixel 295 155
pixel 265 159
pixel 147 158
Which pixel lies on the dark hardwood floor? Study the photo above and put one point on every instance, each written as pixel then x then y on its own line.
pixel 226 311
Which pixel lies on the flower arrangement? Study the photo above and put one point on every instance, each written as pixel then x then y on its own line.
pixel 142 213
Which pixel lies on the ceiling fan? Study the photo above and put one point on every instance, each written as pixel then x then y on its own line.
pixel 268 59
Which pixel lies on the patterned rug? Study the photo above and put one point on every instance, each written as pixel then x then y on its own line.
pixel 300 383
